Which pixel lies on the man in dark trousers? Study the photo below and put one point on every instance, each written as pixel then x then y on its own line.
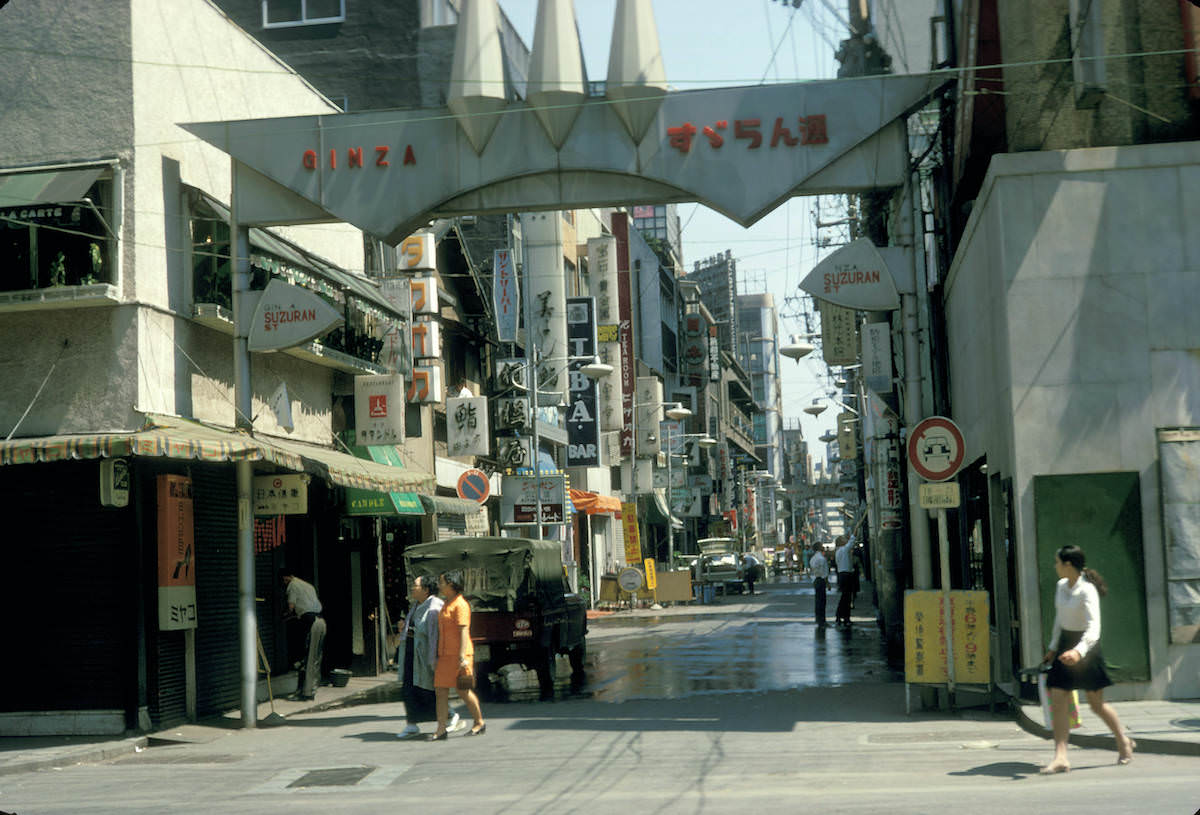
pixel 843 557
pixel 303 603
pixel 820 573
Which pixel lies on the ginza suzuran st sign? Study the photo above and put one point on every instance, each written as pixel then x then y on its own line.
pixel 741 151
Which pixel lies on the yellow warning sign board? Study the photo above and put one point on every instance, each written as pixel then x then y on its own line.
pixel 925 637
pixel 651 574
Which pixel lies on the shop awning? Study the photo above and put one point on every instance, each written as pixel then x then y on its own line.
pixel 369 502
pixel 345 470
pixel 445 505
pixel 593 502
pixel 173 437
pixel 47 187
pixel 287 253
pixel 659 513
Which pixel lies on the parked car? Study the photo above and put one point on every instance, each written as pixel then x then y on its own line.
pixel 522 610
pixel 721 569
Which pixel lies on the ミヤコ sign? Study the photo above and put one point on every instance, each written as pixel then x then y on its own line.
pixel 583 425
pixel 176 554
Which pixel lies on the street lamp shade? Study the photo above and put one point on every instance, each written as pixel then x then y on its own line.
pixel 797 348
pixel 678 412
pixel 706 442
pixel 815 409
pixel 596 369
pixel 827 436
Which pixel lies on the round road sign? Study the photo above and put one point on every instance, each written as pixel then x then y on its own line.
pixel 936 448
pixel 629 579
pixel 473 485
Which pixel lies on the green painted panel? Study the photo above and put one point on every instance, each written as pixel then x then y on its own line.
pixel 1102 514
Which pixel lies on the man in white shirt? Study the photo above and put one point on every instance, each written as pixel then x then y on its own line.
pixel 843 557
pixel 303 603
pixel 820 569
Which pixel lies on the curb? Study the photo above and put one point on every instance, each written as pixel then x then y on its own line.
pixel 1163 747
pixel 99 752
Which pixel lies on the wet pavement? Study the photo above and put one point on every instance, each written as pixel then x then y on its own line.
pixel 742 643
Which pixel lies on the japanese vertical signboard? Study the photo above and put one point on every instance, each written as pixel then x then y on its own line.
pixel 925 637
pixel 877 356
pixel 379 409
pixel 176 554
pixel 583 426
pixel 602 267
pixel 629 527
pixel 506 296
pixel 839 342
pixel 467 426
pixel 620 227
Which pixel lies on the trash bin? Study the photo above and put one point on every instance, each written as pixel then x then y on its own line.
pixel 706 595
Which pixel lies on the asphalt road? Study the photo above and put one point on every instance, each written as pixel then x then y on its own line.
pixel 733 707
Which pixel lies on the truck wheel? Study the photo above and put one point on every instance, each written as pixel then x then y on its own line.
pixel 547 673
pixel 578 655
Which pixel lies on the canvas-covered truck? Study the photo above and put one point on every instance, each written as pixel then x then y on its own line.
pixel 522 610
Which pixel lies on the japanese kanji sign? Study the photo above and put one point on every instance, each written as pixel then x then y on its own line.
pixel 506 295
pixel 280 494
pixel 467 426
pixel 379 409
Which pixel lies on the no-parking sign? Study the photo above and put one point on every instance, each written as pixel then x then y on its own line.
pixel 936 448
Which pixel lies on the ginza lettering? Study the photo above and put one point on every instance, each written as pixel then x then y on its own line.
pixel 356 158
pixel 809 130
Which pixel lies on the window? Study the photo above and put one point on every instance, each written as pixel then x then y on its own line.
pixel 52 243
pixel 285 13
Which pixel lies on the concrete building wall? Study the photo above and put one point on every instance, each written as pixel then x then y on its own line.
pixel 1068 311
pixel 1040 97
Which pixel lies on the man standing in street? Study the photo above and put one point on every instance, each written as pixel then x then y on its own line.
pixel 843 557
pixel 303 603
pixel 820 568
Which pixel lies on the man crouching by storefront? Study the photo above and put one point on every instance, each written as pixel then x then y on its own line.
pixel 303 603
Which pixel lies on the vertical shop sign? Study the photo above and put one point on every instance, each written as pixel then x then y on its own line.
pixel 506 296
pixel 877 356
pixel 379 409
pixel 891 497
pixel 714 355
pixel 583 426
pixel 839 343
pixel 176 554
pixel 602 267
pixel 467 426
pixel 629 527
pixel 620 227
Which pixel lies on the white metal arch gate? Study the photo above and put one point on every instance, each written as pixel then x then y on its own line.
pixel 741 151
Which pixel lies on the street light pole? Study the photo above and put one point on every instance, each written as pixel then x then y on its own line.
pixel 531 380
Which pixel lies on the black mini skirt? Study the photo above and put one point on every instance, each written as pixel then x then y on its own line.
pixel 1086 674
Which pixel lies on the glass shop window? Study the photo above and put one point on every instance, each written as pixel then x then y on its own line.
pixel 48 245
pixel 285 13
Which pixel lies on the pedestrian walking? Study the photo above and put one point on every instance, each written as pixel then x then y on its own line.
pixel 304 605
pixel 750 567
pixel 820 570
pixel 455 657
pixel 420 657
pixel 844 561
pixel 1076 661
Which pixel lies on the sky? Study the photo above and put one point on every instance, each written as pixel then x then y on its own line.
pixel 722 43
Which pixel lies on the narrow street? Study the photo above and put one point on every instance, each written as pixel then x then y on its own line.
pixel 695 709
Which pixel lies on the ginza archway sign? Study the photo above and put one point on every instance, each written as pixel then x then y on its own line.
pixel 741 151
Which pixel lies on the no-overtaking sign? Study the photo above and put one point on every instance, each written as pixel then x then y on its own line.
pixel 936 448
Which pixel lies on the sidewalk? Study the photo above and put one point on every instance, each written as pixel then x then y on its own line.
pixel 19 754
pixel 1168 728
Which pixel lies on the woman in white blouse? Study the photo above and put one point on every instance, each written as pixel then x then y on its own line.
pixel 1075 641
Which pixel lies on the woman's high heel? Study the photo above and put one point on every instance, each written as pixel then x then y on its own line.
pixel 1054 769
pixel 477 731
pixel 437 736
pixel 1125 758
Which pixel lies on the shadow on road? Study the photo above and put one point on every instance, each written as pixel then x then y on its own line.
pixel 1016 770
